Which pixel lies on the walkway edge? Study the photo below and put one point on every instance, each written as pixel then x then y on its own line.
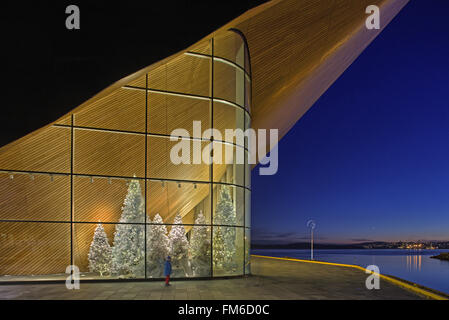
pixel 418 290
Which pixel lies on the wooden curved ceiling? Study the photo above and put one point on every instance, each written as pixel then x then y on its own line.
pixel 298 49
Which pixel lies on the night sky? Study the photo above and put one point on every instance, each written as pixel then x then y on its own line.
pixel 370 160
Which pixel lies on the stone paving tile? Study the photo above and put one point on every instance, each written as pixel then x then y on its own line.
pixel 271 280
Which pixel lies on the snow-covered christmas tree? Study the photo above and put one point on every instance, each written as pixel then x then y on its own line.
pixel 200 247
pixel 100 252
pixel 158 246
pixel 225 215
pixel 179 248
pixel 218 248
pixel 128 252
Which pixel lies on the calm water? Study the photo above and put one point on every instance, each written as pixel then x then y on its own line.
pixel 411 265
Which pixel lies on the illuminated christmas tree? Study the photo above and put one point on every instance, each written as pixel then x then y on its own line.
pixel 200 247
pixel 179 248
pixel 158 246
pixel 128 252
pixel 100 252
pixel 225 215
pixel 218 248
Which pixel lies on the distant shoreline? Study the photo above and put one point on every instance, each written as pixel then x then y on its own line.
pixel 306 245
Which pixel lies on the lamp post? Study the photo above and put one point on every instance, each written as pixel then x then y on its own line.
pixel 311 224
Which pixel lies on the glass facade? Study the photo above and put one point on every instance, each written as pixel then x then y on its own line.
pixel 98 189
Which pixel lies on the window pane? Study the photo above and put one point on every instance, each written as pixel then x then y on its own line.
pixel 109 153
pixel 227 251
pixel 247 208
pixel 186 74
pixel 179 249
pixel 228 117
pixel 102 199
pixel 229 83
pixel 230 45
pixel 161 166
pixel 247 62
pixel 200 249
pixel 124 109
pixel 167 113
pixel 34 197
pixel 248 168
pixel 247 251
pixel 203 47
pixel 228 205
pixel 29 248
pixel 171 198
pixel 47 149
pixel 228 163
pixel 122 255
pixel 247 93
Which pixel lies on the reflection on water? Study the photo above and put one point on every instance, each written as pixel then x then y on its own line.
pixel 412 265
pixel 414 262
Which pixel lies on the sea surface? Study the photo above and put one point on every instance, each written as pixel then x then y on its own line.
pixel 411 265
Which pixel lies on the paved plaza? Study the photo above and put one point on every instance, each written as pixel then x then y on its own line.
pixel 271 279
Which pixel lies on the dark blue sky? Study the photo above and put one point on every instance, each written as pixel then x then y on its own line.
pixel 370 160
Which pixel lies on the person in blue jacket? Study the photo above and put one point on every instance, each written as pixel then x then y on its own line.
pixel 167 270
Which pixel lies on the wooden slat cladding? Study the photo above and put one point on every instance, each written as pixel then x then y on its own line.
pixel 109 153
pixel 34 197
pixel 229 45
pixel 121 110
pixel 167 113
pixel 157 199
pixel 277 40
pixel 291 40
pixel 186 74
pixel 228 163
pixel 99 199
pixel 65 120
pixel 203 47
pixel 178 202
pixel 161 166
pixel 34 248
pixel 227 117
pixel 42 150
pixel 138 82
pixel 228 83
